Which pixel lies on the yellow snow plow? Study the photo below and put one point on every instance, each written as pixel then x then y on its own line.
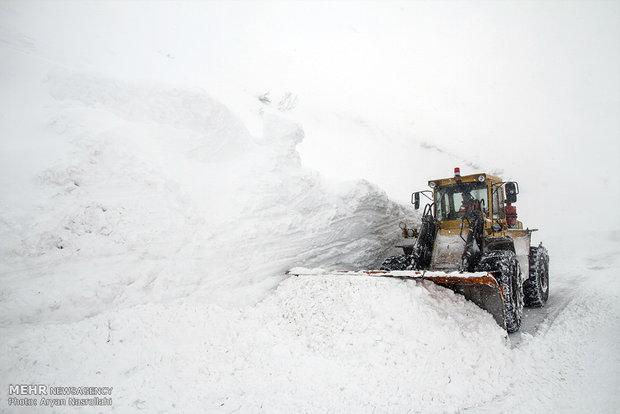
pixel 471 242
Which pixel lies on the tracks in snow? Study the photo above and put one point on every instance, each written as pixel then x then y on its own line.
pixel 539 320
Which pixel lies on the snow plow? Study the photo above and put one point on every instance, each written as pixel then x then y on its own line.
pixel 471 242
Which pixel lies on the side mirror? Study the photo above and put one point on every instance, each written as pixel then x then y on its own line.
pixel 415 200
pixel 512 189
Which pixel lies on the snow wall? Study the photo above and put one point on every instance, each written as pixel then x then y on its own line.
pixel 150 193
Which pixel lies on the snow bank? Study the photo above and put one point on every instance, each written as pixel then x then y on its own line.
pixel 153 193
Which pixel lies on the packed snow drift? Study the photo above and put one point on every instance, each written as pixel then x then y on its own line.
pixel 170 184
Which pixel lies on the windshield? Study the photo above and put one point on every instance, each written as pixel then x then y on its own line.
pixel 451 202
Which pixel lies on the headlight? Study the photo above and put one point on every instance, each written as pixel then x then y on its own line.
pixel 496 227
pixel 431 184
pixel 481 178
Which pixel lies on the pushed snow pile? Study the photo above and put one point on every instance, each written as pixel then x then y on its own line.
pixel 318 344
pixel 125 193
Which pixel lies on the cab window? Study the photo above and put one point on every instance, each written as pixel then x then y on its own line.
pixel 449 200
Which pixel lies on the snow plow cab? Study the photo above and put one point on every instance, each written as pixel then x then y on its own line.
pixel 471 242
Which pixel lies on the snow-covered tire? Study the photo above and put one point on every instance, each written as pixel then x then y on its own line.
pixel 536 287
pixel 504 266
pixel 396 263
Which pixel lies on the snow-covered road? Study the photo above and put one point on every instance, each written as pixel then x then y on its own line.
pixel 573 341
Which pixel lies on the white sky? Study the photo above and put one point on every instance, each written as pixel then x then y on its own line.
pixel 531 88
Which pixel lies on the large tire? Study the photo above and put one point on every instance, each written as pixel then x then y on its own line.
pixel 396 263
pixel 504 266
pixel 536 287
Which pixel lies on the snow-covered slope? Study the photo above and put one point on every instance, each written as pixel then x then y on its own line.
pixel 159 192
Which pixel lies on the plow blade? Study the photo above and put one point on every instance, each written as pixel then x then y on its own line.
pixel 480 288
